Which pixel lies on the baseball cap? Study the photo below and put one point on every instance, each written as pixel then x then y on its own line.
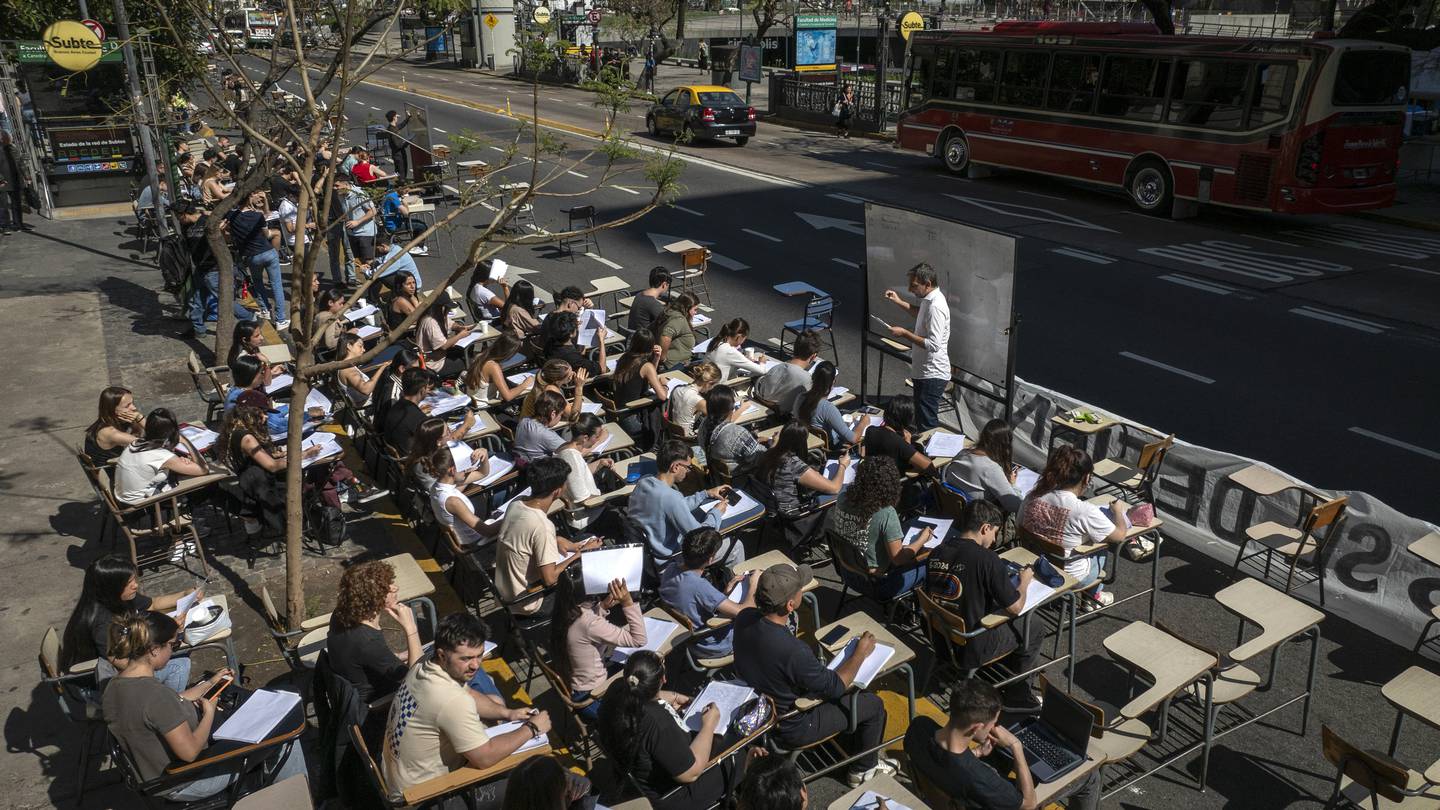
pixel 254 399
pixel 778 584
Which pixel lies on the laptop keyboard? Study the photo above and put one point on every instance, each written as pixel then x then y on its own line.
pixel 1044 750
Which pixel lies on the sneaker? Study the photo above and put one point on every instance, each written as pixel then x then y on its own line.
pixel 884 767
pixel 282 325
pixel 422 250
pixel 262 314
pixel 177 554
pixel 1098 600
pixel 365 493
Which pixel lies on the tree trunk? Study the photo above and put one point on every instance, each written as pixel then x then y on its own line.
pixel 225 293
pixel 294 491
pixel 1160 12
pixel 680 19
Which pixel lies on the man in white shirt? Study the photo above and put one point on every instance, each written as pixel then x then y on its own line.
pixel 930 359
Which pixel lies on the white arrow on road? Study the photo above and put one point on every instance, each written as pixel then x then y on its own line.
pixel 1030 212
pixel 820 223
pixel 660 240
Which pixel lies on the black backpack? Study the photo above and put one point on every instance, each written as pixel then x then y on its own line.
pixel 176 263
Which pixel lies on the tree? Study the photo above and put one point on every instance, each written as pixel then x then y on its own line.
pixel 640 23
pixel 293 136
pixel 177 62
pixel 1161 13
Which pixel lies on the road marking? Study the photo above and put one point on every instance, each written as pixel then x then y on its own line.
pixel 497 149
pixel 1167 367
pixel 1199 284
pixel 1340 320
pixel 1030 212
pixel 847 198
pixel 880 165
pixel 762 235
pixel 556 98
pixel 1417 269
pixel 577 174
pixel 1380 437
pixel 604 261
pixel 847 263
pixel 626 190
pixel 1082 255
pixel 584 104
pixel 728 263
pixel 687 210
pixel 1372 240
pixel 1038 194
pixel 438 129
pixel 1243 260
pixel 820 223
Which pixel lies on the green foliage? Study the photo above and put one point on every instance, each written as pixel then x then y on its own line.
pixel 176 62
pixel 466 141
pixel 616 149
pixel 664 171
pixel 547 143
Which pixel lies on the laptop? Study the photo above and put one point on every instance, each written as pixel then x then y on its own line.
pixel 1056 740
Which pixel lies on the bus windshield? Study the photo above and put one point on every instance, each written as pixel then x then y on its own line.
pixel 1372 77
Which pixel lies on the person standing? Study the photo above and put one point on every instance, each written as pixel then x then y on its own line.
pixel 250 238
pixel 844 111
pixel 930 359
pixel 205 278
pixel 399 145
pixel 12 183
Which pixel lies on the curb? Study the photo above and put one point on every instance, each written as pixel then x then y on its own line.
pixel 1432 224
pixel 827 130
pixel 489 108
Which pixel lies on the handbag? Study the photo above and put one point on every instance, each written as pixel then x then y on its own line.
pixel 204 622
pixel 753 714
pixel 835 111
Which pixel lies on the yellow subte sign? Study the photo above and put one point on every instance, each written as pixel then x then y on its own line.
pixel 491 20
pixel 911 23
pixel 71 45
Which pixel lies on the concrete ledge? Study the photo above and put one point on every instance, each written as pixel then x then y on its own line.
pixel 97 211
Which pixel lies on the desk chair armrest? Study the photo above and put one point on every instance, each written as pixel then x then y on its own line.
pixel 606 497
pixel 185 487
pixel 262 749
pixel 68 678
pixel 440 786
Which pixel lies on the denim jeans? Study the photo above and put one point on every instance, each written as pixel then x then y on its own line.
pixel 338 246
pixel 205 301
pixel 484 684
pixel 266 266
pixel 206 786
pixel 928 394
pixel 1094 567
pixel 175 674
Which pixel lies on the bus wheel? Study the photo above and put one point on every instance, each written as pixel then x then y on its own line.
pixel 1150 189
pixel 956 153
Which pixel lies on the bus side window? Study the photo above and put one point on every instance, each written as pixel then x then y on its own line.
pixel 1134 87
pixel 1270 95
pixel 975 74
pixel 1023 81
pixel 922 60
pixel 1208 93
pixel 1073 78
pixel 942 82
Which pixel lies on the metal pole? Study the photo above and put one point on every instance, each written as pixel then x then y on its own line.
pixel 880 46
pixel 137 103
pixel 475 28
pixel 84 10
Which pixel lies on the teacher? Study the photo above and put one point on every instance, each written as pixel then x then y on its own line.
pixel 930 359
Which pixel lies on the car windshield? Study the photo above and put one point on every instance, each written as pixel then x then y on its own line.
pixel 720 100
pixel 1372 77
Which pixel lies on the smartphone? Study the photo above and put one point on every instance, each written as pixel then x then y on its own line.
pixel 834 636
pixel 219 687
pixel 732 497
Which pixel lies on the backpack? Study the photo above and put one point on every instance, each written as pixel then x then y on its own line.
pixel 176 264
pixel 325 523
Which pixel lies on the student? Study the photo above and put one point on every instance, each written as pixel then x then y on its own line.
pixel 486 381
pixel 436 335
pixel 246 338
pixel 675 334
pixel 772 783
pixel 1056 512
pixel 396 216
pixel 157 727
pixel 684 588
pixel 987 470
pixel 535 436
pixel 649 303
pixel 637 376
pixel 586 433
pixel 894 439
pixel 957 758
pixel 357 646
pixel 815 409
pixel 529 552
pixel 329 325
pixel 118 425
pixel 359 386
pixel 391 386
pixel 517 316
pixel 785 471
pixel 665 516
pixel 432 435
pixel 640 728
pixel 687 402
pixel 359 215
pixel 774 662
pixel 145 467
pixel 251 241
pixel 558 335
pixel 366 172
pixel 726 442
pixel 967 576
pixel 111 589
pixel 403 418
pixel 434 727
pixel 542 783
pixel 404 297
pixel 583 634
pixel 784 384
pixel 930 357
pixel 391 255
pixel 725 352
pixel 487 303
pixel 866 518
pixel 572 299
pixel 449 502
pixel 258 462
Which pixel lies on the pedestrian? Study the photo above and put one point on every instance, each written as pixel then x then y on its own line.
pixel 399 146
pixel 930 359
pixel 703 61
pixel 250 239
pixel 844 110
pixel 206 271
pixel 650 72
pixel 12 185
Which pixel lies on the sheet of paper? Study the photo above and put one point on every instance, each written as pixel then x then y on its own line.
pixel 870 800
pixel 591 407
pixel 591 320
pixel 258 716
pixel 498 268
pixel 740 591
pixel 473 337
pixel 1036 593
pixel 599 567
pixel 657 632
pixel 703 347
pixel 499 513
pixel 700 319
pixel 441 404
pixel 944 444
pixel 366 332
pixel 279 383
pixel 832 464
pixel 327 444
pixel 671 384
pixel 202 437
pixel 361 313
pixel 610 364
pixel 516 379
pixel 870 667
pixel 1025 480
pixel 727 697
pixel 506 728
pixel 837 392
pixel 276 353
pixel 603 443
pixel 942 528
pixel 184 603
pixel 315 399
pixel 461 452
pixel 499 467
pixel 876 420
pixel 883 325
pixel 745 506
pixel 752 409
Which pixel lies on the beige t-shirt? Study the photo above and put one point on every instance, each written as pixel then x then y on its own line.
pixel 432 724
pixel 527 541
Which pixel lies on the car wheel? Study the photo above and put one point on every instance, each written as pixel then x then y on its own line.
pixel 1150 188
pixel 654 126
pixel 956 153
pixel 742 140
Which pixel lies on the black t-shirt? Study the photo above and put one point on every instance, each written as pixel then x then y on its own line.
pixel 248 234
pixel 571 354
pixel 885 442
pixel 360 655
pixel 974 582
pixel 644 312
pixel 100 626
pixel 661 751
pixel 963 777
pixel 386 394
pixel 199 246
pixel 401 421
pixel 777 664
pixel 232 164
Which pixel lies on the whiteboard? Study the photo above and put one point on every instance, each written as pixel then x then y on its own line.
pixel 976 271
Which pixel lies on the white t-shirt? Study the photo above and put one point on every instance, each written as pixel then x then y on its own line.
pixel 432 724
pixel 1061 517
pixel 684 402
pixel 580 485
pixel 290 215
pixel 484 299
pixel 440 494
pixel 732 362
pixel 141 474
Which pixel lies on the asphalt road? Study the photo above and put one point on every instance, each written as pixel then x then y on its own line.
pixel 1307 342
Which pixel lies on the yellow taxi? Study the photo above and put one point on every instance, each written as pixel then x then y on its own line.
pixel 702 111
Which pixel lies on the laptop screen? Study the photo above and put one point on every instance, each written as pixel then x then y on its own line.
pixel 1067 716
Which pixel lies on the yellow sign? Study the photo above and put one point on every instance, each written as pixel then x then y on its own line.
pixel 71 45
pixel 541 15
pixel 911 23
pixel 491 20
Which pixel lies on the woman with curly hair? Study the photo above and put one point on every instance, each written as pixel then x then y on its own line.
pixel 358 652
pixel 865 517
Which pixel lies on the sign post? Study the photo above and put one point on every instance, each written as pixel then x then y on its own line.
pixel 750 71
pixel 815 42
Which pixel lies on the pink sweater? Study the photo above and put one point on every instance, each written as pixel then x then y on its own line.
pixel 591 639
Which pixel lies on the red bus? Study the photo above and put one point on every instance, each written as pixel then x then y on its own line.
pixel 1304 125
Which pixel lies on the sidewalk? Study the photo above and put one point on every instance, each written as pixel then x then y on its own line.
pixel 1417 205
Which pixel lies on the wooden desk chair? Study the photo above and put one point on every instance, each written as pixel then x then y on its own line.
pixel 735 750
pixel 584 215
pixel 1309 540
pixel 1360 774
pixel 293 793
pixel 952 502
pixel 694 263
pixel 379 793
pixel 1055 552
pixel 468 562
pixel 1138 481
pixel 337 707
pixel 287 639
pixel 855 575
pixel 585 738
pixel 947 630
pixel 70 690
pixel 178 528
pixel 204 379
pixel 707 666
pixel 935 797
